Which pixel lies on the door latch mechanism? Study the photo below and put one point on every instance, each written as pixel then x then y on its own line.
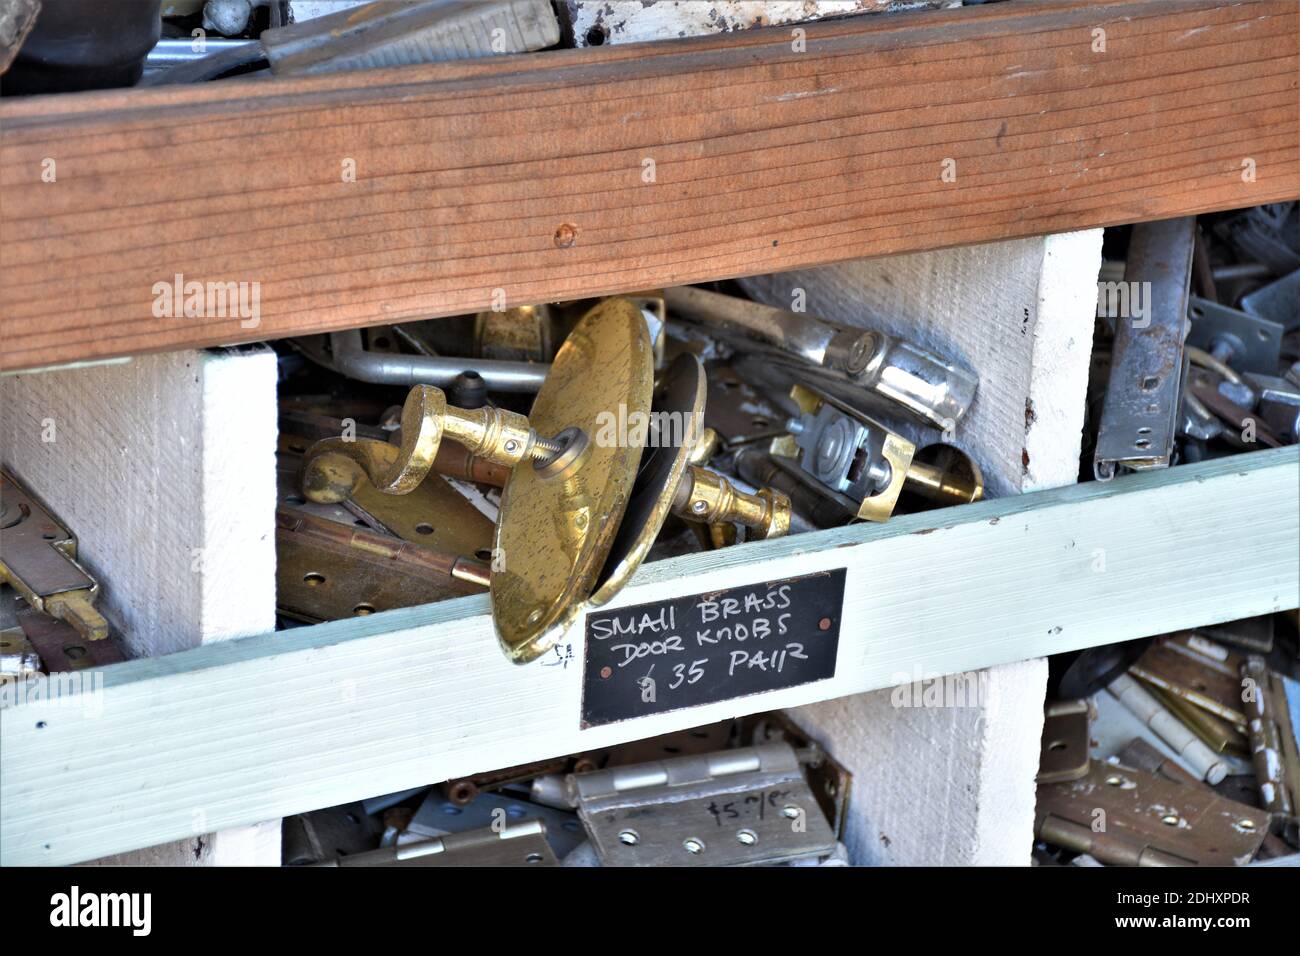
pixel 864 465
pixel 38 557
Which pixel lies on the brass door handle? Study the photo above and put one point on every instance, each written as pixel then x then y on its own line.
pixel 579 510
pixel 333 467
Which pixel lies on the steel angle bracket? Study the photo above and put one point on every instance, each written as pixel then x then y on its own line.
pixel 746 806
pixel 1140 417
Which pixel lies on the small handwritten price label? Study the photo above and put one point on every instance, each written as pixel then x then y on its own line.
pixel 703 648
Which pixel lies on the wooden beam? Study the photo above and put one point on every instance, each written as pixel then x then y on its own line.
pixel 247 730
pixel 768 154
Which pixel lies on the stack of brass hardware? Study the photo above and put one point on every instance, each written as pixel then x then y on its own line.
pixel 748 792
pixel 1198 339
pixel 1186 756
pixel 546 463
pixel 48 619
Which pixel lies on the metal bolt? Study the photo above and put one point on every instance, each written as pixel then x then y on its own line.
pixel 859 353
pixel 699 507
pixel 544 449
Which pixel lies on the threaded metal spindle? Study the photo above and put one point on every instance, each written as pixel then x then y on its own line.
pixel 544 449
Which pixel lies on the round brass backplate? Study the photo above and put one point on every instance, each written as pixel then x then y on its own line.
pixel 555 531
pixel 678 415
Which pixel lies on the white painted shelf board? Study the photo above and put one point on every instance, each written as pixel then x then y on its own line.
pixel 261 727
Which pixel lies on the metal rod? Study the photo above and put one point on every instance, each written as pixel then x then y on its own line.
pixel 385 368
pixel 933 390
pixel 172 52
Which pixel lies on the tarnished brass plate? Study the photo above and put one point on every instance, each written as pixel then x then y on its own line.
pixel 679 414
pixel 555 531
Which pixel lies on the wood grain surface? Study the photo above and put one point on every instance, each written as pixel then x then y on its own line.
pixel 527 174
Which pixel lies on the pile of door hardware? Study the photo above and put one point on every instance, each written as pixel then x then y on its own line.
pixel 638 430
pixel 1199 324
pixel 1178 751
pixel 748 792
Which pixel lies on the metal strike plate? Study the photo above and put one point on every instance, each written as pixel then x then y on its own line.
pixel 1140 416
pixel 1131 818
pixel 38 558
pixel 1065 751
pixel 739 807
pixel 522 844
pixel 61 647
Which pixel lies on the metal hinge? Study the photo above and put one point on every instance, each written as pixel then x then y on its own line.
pixel 745 806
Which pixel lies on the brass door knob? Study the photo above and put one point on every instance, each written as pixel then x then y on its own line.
pixel 583 501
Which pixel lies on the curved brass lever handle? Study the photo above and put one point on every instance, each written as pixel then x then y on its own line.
pixel 333 467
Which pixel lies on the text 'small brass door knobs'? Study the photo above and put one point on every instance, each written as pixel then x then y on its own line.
pixel 590 483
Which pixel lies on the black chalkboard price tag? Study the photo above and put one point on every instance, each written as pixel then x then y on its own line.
pixel 703 648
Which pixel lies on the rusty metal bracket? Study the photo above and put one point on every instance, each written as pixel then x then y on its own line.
pixel 1140 417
